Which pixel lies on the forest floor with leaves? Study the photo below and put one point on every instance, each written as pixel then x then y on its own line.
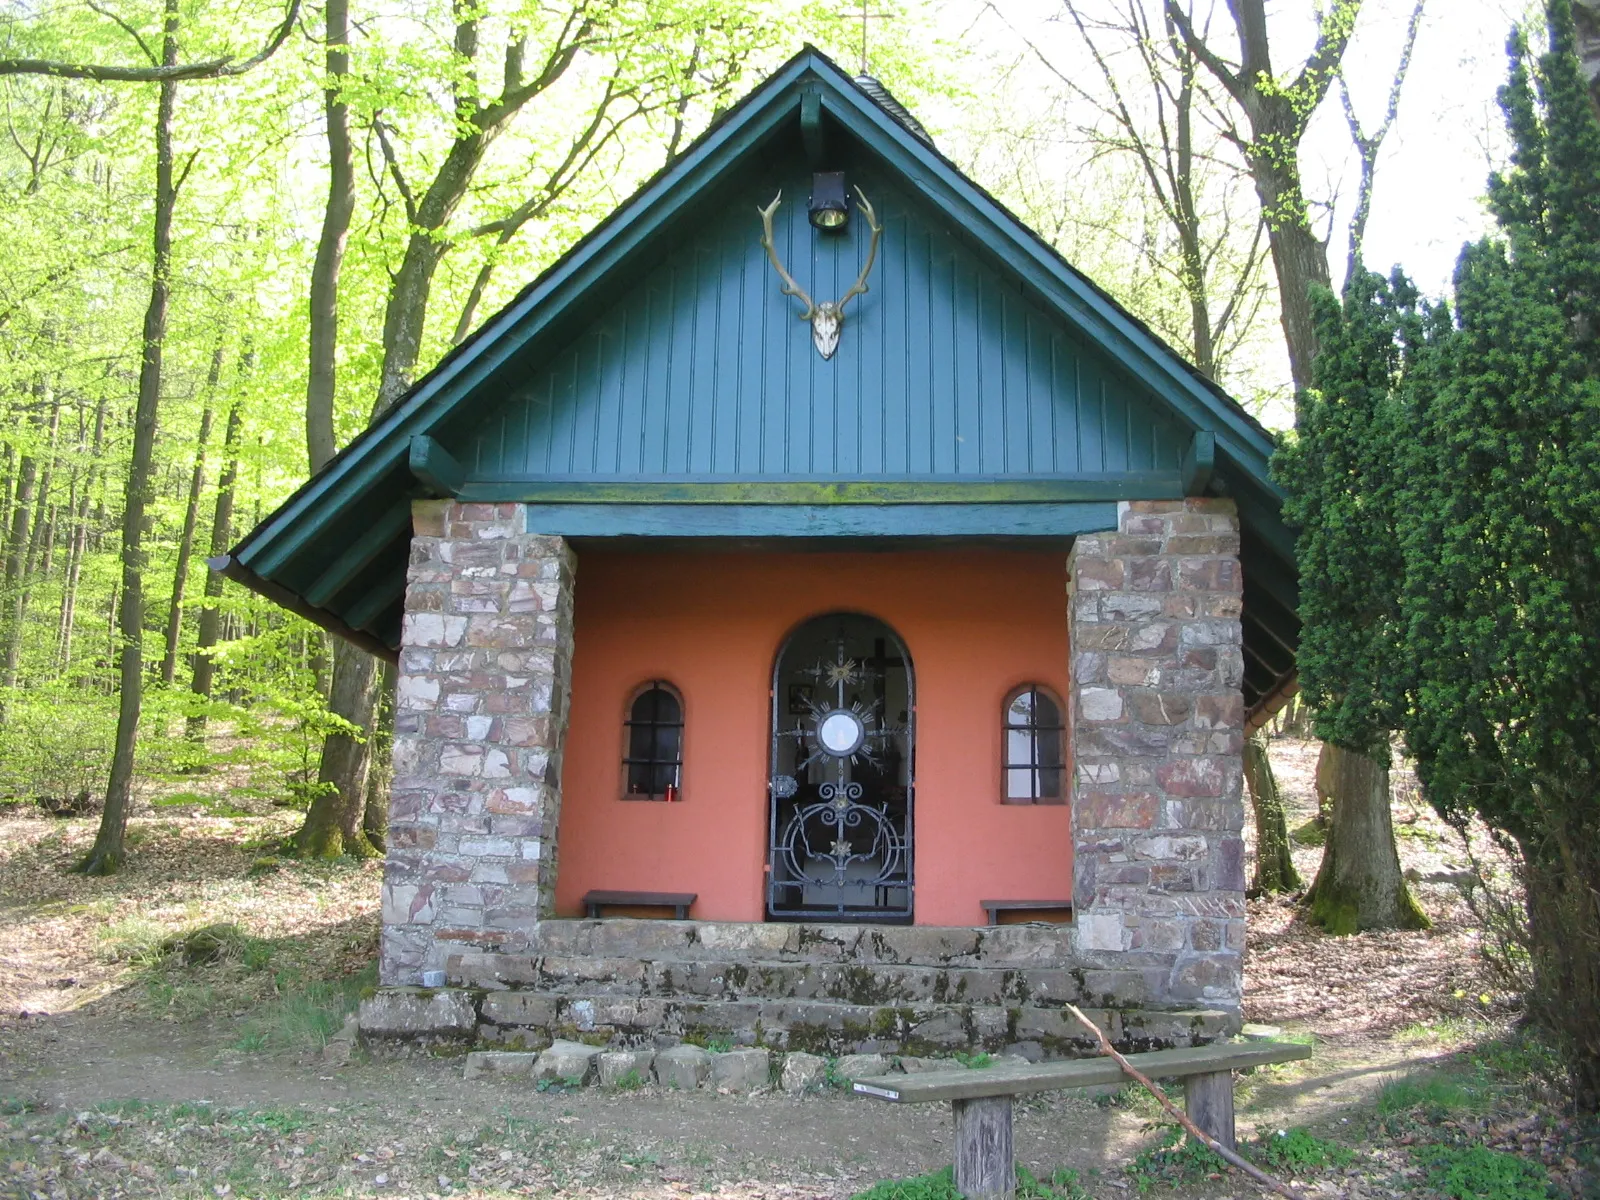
pixel 127 1071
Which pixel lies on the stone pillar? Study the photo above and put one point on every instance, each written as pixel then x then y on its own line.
pixel 1156 722
pixel 480 717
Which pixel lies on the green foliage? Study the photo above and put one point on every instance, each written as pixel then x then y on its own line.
pixel 1446 481
pixel 1310 834
pixel 941 1185
pixel 1478 1173
pixel 55 745
pixel 973 1060
pixel 1340 472
pixel 1294 1151
pixel 1431 1096
pixel 307 1012
pixel 1173 1161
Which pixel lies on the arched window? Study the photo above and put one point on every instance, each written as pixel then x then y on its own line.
pixel 1034 752
pixel 653 765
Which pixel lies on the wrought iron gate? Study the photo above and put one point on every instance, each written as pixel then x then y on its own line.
pixel 841 779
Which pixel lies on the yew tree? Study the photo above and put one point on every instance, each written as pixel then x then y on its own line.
pixel 1502 593
pixel 1340 473
pixel 1446 479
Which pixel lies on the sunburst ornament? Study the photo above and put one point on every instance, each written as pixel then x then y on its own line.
pixel 842 674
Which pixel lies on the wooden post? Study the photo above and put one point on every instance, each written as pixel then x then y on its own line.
pixel 1209 1099
pixel 985 1164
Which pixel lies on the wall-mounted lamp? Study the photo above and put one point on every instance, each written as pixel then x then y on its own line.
pixel 829 207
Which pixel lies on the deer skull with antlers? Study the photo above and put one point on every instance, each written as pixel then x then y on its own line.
pixel 827 317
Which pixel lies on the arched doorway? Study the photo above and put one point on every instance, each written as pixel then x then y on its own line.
pixel 841 779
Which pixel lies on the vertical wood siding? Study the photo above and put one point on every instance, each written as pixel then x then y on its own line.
pixel 704 370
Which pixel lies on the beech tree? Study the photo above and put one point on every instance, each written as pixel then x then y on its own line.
pixel 105 857
pixel 1153 105
pixel 1277 114
pixel 648 59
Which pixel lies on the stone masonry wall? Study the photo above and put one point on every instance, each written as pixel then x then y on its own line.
pixel 1157 728
pixel 480 718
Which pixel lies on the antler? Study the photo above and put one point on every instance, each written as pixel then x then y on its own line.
pixel 790 287
pixel 860 285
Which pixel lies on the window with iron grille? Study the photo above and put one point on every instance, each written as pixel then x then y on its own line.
pixel 653 766
pixel 1034 740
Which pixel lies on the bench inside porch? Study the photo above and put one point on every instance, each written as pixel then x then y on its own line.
pixel 600 902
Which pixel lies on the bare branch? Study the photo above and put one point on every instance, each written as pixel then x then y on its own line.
pixel 393 164
pixel 1333 35
pixel 128 29
pixel 1368 146
pixel 211 68
pixel 1230 1156
pixel 1197 47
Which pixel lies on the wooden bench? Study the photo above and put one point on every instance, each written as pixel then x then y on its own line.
pixel 981 1099
pixel 995 907
pixel 678 902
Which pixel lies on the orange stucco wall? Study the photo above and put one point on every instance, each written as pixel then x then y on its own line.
pixel 975 622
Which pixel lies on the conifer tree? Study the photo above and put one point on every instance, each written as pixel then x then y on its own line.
pixel 1339 472
pixel 1502 595
pixel 1446 480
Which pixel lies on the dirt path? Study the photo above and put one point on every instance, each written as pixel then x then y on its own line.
pixel 830 1143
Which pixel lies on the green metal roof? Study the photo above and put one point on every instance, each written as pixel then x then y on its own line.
pixel 654 382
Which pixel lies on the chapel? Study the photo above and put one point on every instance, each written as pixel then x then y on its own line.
pixel 823 619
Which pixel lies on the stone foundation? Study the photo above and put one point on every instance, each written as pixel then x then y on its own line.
pixel 1156 723
pixel 826 989
pixel 480 718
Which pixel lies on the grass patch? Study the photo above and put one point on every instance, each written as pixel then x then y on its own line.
pixel 307 1012
pixel 1176 1163
pixel 1309 834
pixel 1295 1151
pixel 133 940
pixel 1432 1096
pixel 1061 1184
pixel 1478 1173
pixel 1173 1162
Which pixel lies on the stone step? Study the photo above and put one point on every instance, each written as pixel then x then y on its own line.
pixel 871 983
pixel 737 941
pixel 526 1018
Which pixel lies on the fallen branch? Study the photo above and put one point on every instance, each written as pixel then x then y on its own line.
pixel 1200 1135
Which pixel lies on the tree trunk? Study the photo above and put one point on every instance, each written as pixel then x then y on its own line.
pixel 1274 863
pixel 333 822
pixel 1359 885
pixel 191 514
pixel 23 585
pixel 1586 18
pixel 221 540
pixel 324 331
pixel 1322 781
pixel 334 818
pixel 1298 257
pixel 380 775
pixel 80 538
pixel 107 855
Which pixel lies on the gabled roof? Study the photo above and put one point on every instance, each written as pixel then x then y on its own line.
pixel 335 550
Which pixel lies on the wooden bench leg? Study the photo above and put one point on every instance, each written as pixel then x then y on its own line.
pixel 985 1163
pixel 1209 1100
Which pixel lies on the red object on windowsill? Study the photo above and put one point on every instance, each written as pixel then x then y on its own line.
pixel 672 793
